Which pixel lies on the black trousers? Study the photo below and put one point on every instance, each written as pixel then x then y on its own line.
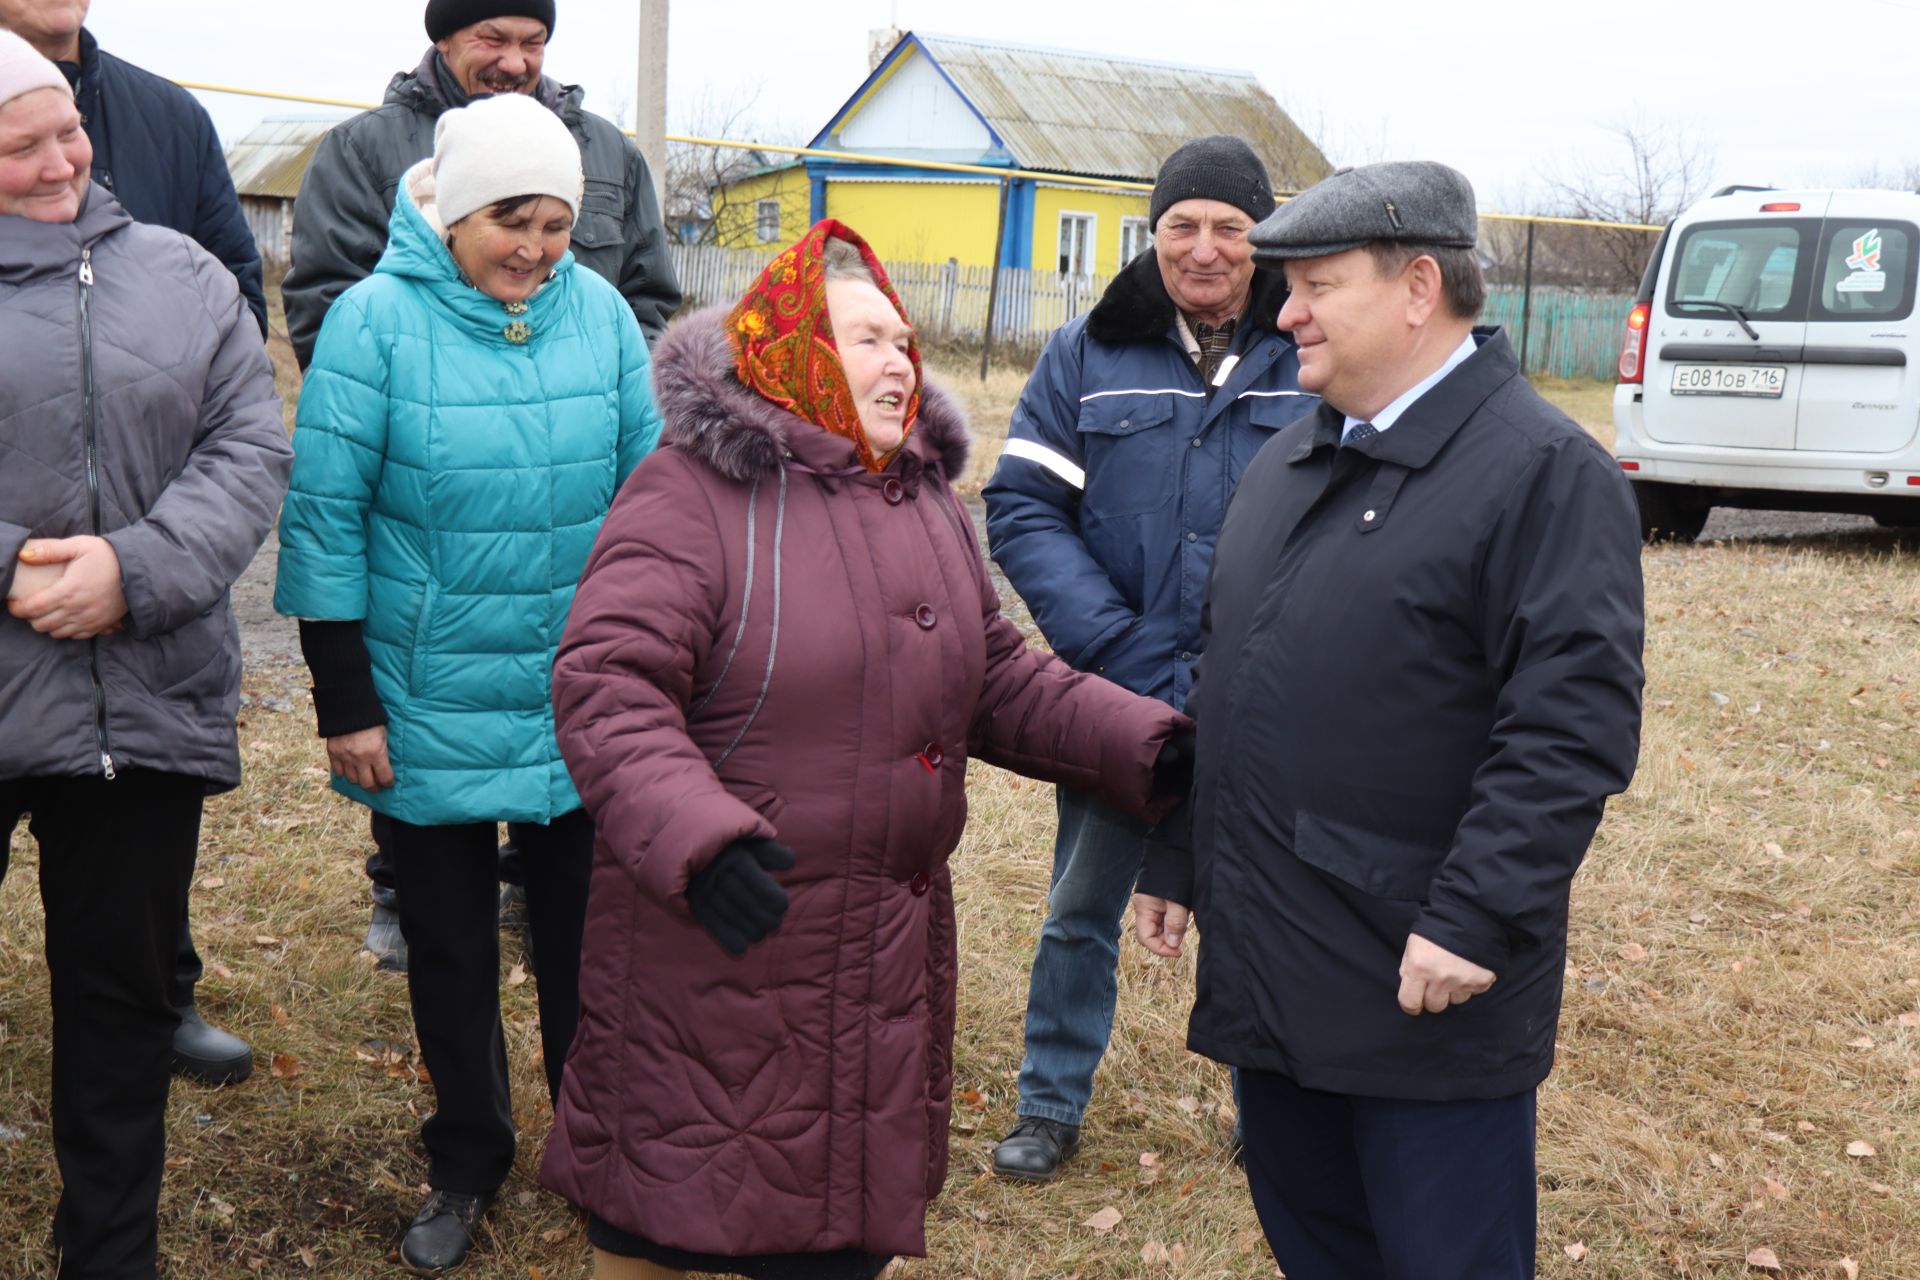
pixel 187 968
pixel 115 861
pixel 1356 1188
pixel 449 915
pixel 380 870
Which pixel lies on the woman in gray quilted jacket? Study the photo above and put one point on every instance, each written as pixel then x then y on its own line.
pixel 142 459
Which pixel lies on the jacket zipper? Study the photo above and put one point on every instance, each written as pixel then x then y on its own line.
pixel 90 422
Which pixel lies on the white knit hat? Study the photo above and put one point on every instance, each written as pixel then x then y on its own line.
pixel 500 147
pixel 22 70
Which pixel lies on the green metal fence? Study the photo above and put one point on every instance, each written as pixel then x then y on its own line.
pixel 1569 334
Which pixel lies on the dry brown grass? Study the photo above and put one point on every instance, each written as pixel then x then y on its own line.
pixel 1741 1004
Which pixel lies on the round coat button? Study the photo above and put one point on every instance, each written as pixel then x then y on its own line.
pixel 920 884
pixel 1193 537
pixel 1369 517
pixel 934 754
pixel 926 617
pixel 893 491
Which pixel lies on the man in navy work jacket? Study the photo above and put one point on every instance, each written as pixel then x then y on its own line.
pixel 1421 683
pixel 1103 511
pixel 154 145
pixel 155 149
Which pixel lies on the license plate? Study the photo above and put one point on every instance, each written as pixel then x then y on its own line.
pixel 1765 381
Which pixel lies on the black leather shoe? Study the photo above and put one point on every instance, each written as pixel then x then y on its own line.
pixel 442 1232
pixel 208 1054
pixel 1036 1149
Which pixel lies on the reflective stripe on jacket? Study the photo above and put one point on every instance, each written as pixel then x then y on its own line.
pixel 1105 506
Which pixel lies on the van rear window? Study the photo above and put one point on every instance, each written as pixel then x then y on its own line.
pixel 1867 271
pixel 1757 267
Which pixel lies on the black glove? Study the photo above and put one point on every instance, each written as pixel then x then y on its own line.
pixel 1173 767
pixel 735 898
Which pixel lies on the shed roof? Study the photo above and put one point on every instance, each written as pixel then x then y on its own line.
pixel 1099 115
pixel 271 159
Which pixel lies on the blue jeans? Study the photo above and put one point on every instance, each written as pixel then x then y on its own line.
pixel 1097 856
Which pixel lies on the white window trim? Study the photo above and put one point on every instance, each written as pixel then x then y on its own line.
pixel 1093 237
pixel 759 212
pixel 1127 222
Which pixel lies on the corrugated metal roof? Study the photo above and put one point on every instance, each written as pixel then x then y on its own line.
pixel 1112 117
pixel 272 158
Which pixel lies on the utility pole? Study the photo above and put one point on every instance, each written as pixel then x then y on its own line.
pixel 650 96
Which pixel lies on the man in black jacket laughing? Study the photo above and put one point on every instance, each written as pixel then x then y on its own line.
pixel 1420 683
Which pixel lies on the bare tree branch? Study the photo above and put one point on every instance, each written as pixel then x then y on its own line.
pixel 697 194
pixel 1657 173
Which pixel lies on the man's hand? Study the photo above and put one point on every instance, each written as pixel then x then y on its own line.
pixel 361 758
pixel 1160 925
pixel 85 601
pixel 1433 979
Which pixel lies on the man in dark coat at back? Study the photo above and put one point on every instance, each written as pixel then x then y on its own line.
pixel 155 149
pixel 480 47
pixel 154 145
pixel 1420 684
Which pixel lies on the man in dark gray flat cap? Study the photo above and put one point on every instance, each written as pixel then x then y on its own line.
pixel 1420 683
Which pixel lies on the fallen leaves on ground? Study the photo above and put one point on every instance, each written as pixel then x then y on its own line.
pixel 1105 1220
pixel 1763 1258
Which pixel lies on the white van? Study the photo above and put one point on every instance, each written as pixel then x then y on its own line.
pixel 1772 360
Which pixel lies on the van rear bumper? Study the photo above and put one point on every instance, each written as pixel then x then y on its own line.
pixel 1792 473
pixel 1766 479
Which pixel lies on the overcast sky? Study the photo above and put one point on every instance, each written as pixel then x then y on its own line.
pixel 1515 94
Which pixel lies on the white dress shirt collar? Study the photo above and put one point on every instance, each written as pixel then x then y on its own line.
pixel 1404 401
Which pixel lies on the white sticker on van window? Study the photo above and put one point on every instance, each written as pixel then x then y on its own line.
pixel 1864 263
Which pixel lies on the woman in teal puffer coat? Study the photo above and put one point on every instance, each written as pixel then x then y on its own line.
pixel 471 410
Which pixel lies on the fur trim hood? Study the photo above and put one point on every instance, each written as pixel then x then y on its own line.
pixel 1137 308
pixel 738 433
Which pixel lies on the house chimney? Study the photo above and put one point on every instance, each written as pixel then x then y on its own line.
pixel 880 43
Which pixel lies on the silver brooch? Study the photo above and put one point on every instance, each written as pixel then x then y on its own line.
pixel 518 332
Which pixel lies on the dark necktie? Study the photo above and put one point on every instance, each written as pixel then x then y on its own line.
pixel 1361 430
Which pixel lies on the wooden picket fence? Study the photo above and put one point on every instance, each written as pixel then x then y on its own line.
pixel 1570 334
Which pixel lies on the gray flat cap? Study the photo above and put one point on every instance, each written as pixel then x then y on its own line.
pixel 1419 201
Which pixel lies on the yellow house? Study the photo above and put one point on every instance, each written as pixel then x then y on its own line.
pixel 956 99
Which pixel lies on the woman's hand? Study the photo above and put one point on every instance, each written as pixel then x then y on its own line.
pixel 84 601
pixel 30 580
pixel 736 897
pixel 361 758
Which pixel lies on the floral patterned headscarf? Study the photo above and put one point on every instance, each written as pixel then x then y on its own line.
pixel 783 341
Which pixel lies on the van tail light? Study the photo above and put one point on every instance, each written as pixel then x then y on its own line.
pixel 1781 206
pixel 1629 466
pixel 1633 352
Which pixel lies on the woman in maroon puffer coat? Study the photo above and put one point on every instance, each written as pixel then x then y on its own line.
pixel 783 652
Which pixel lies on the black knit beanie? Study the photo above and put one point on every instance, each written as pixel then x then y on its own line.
pixel 1220 167
pixel 444 17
